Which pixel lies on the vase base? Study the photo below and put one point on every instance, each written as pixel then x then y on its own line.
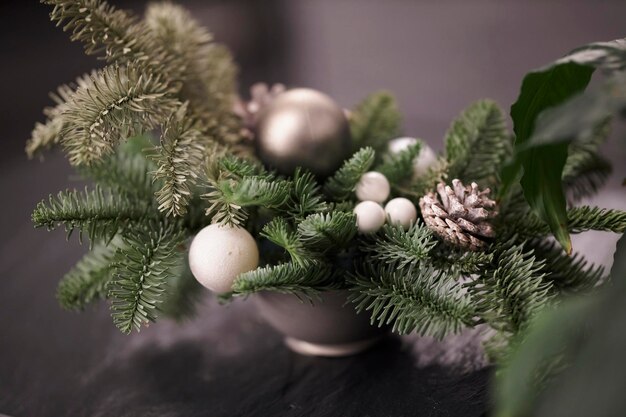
pixel 330 350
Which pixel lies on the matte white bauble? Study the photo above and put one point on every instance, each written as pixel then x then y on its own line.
pixel 401 211
pixel 370 216
pixel 424 160
pixel 219 253
pixel 373 186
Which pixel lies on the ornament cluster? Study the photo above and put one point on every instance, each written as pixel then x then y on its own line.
pixel 302 128
pixel 373 190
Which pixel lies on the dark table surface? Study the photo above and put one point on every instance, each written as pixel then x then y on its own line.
pixel 224 362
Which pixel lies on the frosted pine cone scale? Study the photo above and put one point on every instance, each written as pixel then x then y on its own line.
pixel 461 215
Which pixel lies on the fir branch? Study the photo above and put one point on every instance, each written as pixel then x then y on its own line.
pixel 179 159
pixel 322 232
pixel 124 172
pixel 306 197
pixel 342 184
pixel 288 278
pixel 208 70
pixel 457 261
pixel 87 281
pixel 47 135
pixel 399 167
pixel 103 29
pixel 116 103
pixel 150 255
pixel 280 233
pixel 182 293
pixel 419 299
pixel 478 143
pixel 585 171
pixel 580 219
pixel 239 168
pixel 98 213
pixel 508 294
pixel 375 121
pixel 393 245
pixel 228 198
pixel 567 274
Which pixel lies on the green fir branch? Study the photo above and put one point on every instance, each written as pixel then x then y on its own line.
pixel 342 184
pixel 322 232
pixel 508 294
pixel 418 299
pixel 398 167
pixel 477 144
pixel 125 172
pixel 179 158
pixel 150 255
pixel 105 30
pixel 87 281
pixel 98 213
pixel 288 278
pixel 115 104
pixel 183 293
pixel 280 233
pixel 375 121
pixel 393 245
pixel 585 170
pixel 306 196
pixel 229 198
pixel 580 219
pixel 567 274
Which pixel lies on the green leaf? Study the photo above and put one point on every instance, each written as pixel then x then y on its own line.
pixel 375 121
pixel 543 166
pixel 539 162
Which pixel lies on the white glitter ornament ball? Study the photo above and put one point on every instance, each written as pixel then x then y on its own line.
pixel 401 211
pixel 370 216
pixel 373 186
pixel 219 253
pixel 425 159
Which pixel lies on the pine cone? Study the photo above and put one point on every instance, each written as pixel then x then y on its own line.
pixel 460 215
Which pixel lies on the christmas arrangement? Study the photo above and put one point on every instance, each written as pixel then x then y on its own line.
pixel 288 192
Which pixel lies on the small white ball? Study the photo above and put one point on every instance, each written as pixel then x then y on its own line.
pixel 401 211
pixel 424 160
pixel 219 253
pixel 370 216
pixel 373 186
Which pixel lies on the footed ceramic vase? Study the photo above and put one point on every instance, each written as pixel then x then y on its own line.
pixel 328 327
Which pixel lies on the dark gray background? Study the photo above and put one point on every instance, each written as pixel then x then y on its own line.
pixel 436 56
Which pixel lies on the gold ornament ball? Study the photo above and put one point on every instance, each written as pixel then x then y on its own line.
pixel 304 128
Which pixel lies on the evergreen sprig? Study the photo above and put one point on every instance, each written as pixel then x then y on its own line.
pixel 580 219
pixel 228 198
pixel 322 232
pixel 477 144
pixel 398 168
pixel 125 172
pixel 306 196
pixel 509 294
pixel 98 213
pixel 117 103
pixel 419 299
pixel 88 280
pixel 342 184
pixel 151 253
pixel 393 245
pixel 279 232
pixel 375 121
pixel 179 159
pixel 288 278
